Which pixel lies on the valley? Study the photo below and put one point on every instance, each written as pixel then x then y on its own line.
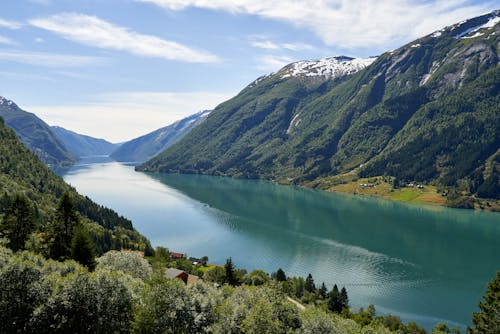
pixel 336 194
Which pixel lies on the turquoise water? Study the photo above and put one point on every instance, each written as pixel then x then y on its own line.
pixel 423 263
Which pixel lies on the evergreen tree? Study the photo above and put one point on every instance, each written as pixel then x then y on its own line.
pixel 344 300
pixel 487 320
pixel 334 303
pixel 323 291
pixel 229 276
pixel 280 275
pixel 62 229
pixel 309 286
pixel 18 222
pixel 83 249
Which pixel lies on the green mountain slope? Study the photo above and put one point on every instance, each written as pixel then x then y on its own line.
pixel 149 145
pixel 81 145
pixel 21 172
pixel 425 112
pixel 35 134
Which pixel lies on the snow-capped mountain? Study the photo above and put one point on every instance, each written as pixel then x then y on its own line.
pixel 330 68
pixel 426 111
pixel 472 28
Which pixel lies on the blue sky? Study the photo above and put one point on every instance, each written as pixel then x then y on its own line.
pixel 117 69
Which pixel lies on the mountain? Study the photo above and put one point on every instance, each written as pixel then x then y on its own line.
pixel 35 134
pixel 81 145
pixel 149 145
pixel 426 112
pixel 21 172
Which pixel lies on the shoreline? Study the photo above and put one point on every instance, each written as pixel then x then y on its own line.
pixel 379 188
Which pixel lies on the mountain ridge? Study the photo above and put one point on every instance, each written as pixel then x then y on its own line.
pixel 82 145
pixel 299 129
pixel 35 134
pixel 147 146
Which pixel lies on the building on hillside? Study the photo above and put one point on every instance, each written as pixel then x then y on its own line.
pixel 176 256
pixel 195 261
pixel 181 275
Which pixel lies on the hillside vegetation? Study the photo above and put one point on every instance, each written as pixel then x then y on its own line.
pixel 22 173
pixel 35 134
pixel 125 294
pixel 426 112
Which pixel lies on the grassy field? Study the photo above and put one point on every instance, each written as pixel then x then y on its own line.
pixel 382 187
pixel 379 187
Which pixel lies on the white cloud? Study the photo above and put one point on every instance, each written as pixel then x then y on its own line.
pixel 92 31
pixel 350 23
pixel 10 24
pixel 297 46
pixel 269 45
pixel 271 63
pixel 39 40
pixel 48 59
pixel 7 41
pixel 122 116
pixel 42 2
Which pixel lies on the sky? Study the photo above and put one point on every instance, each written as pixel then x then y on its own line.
pixel 118 69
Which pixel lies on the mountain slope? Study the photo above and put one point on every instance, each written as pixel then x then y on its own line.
pixel 35 134
pixel 425 112
pixel 21 172
pixel 82 145
pixel 149 145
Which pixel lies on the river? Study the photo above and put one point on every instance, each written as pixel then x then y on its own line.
pixel 422 263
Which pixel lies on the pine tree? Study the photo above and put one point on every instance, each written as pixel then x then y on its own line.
pixel 229 276
pixel 83 249
pixel 280 275
pixel 334 304
pixel 487 320
pixel 309 286
pixel 62 229
pixel 344 299
pixel 323 291
pixel 18 222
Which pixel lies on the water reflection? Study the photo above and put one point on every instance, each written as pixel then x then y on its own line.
pixel 405 256
pixel 429 264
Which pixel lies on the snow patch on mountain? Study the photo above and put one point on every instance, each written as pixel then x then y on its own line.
pixel 332 67
pixel 259 79
pixel 490 24
pixel 293 123
pixel 3 100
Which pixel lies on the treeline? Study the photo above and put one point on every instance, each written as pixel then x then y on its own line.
pixel 68 235
pixel 125 294
pixel 23 174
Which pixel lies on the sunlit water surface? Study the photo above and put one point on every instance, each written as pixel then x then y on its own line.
pixel 423 263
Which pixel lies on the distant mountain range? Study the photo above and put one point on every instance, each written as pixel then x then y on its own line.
pixel 427 112
pixel 59 147
pixel 145 147
pixel 82 145
pixel 35 134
